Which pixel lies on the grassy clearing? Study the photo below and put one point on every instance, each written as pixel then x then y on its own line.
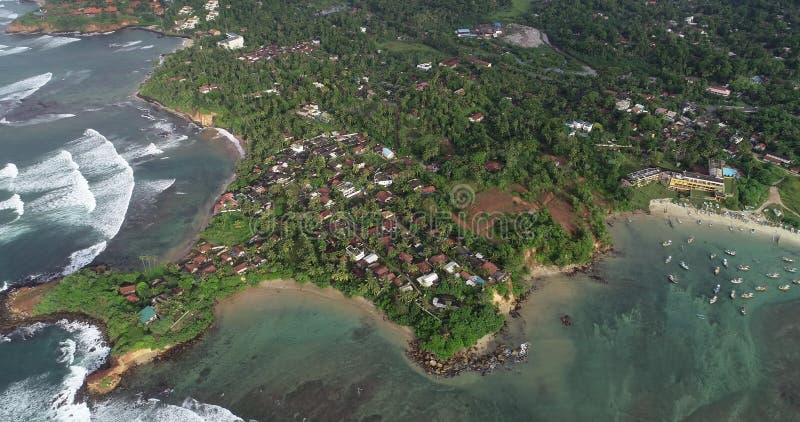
pixel 790 193
pixel 640 197
pixel 518 8
pixel 228 228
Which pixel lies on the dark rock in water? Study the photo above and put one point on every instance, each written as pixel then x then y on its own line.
pixel 566 320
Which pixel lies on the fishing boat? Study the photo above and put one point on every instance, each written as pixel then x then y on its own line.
pixel 713 300
pixel 790 269
pixel 666 243
pixel 712 256
pixel 773 275
pixel 716 289
pixel 668 260
pixel 699 221
pixel 737 280
pixel 787 259
pixel 701 316
pixel 784 287
pixel 743 267
pixel 684 266
pixel 672 279
pixel 679 221
pixel 730 228
pixel 761 288
pixel 730 252
pixel 716 270
pixel 725 262
pixel 748 295
pixel 733 294
pixel 690 239
pixel 796 281
pixel 743 310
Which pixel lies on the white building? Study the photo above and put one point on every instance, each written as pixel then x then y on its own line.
pixel 425 66
pixel 232 42
pixel 427 280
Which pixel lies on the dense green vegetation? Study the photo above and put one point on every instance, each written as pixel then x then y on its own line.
pixel 790 193
pixel 362 70
pixel 95 15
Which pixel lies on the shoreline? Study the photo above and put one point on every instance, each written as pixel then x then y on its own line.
pixel 736 219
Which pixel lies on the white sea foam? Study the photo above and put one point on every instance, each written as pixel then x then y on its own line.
pixel 25 333
pixel 190 410
pixel 7 175
pixel 47 42
pixel 15 204
pixel 44 118
pixel 147 47
pixel 14 50
pixel 111 180
pixel 142 152
pixel 83 257
pixel 66 351
pixel 24 88
pixel 2 289
pixel 61 184
pixel 123 45
pixel 227 135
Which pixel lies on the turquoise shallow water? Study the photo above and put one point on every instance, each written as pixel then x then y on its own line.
pixel 637 350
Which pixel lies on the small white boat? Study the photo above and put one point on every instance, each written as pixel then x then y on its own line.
pixel 737 280
pixel 716 289
pixel 713 300
pixel 666 243
pixel 668 260
pixel 733 294
pixel 761 288
pixel 690 239
pixel 712 256
pixel 787 259
pixel 699 221
pixel 743 311
pixel 796 281
pixel 725 262
pixel 730 252
pixel 679 221
pixel 748 295
pixel 716 270
pixel 684 266
pixel 784 287
pixel 790 269
pixel 672 279
pixel 773 275
pixel 743 267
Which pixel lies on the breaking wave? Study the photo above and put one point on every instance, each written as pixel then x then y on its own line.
pixel 44 118
pixel 14 50
pixel 227 135
pixel 2 289
pixel 83 257
pixel 60 186
pixel 47 42
pixel 7 175
pixel 15 204
pixel 37 397
pixel 24 88
pixel 141 152
pixel 190 410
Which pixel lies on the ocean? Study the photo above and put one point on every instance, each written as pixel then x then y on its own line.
pixel 86 170
pixel 89 173
pixel 640 348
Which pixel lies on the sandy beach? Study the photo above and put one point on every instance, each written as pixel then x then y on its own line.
pixel 275 287
pixel 746 221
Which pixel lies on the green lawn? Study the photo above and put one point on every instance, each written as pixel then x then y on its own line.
pixel 518 8
pixel 640 197
pixel 790 193
pixel 228 228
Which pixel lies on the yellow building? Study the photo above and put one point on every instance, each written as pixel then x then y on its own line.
pixel 694 181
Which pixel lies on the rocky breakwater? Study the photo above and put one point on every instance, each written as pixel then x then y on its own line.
pixel 502 356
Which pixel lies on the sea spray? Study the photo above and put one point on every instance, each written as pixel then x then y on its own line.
pixel 83 257
pixel 15 204
pixel 41 119
pixel 236 143
pixel 24 88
